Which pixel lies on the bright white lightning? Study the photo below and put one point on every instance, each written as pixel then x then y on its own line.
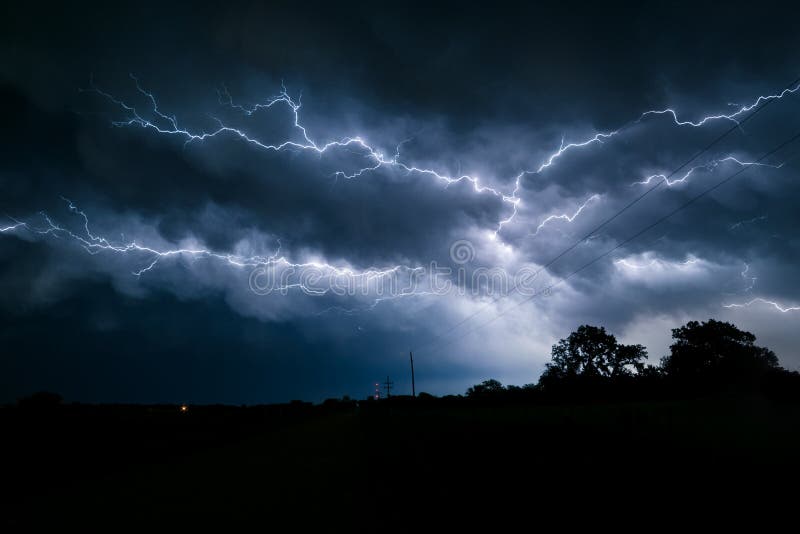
pixel 13 227
pixel 165 124
pixel 564 216
pixel 95 244
pixel 168 125
pixel 733 117
pixel 710 166
pixel 775 305
pixel 515 201
pixel 597 138
pixel 655 272
pixel 655 262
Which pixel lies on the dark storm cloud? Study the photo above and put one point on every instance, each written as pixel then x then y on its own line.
pixel 461 91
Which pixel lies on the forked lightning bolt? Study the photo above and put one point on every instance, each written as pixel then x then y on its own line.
pixel 778 307
pixel 564 216
pixel 163 123
pixel 151 117
pixel 168 125
pixel 95 244
pixel 733 117
pixel 710 166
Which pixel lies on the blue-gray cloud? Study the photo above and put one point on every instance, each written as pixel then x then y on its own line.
pixel 520 151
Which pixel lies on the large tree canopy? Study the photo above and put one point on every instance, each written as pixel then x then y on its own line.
pixel 716 350
pixel 591 352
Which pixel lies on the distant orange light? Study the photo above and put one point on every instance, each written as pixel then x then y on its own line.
pixel 184 408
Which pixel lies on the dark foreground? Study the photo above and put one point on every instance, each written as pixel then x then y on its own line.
pixel 385 465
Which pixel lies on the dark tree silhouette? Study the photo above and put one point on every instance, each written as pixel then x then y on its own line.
pixel 591 353
pixel 487 387
pixel 716 351
pixel 708 357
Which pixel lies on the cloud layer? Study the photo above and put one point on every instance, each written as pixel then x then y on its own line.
pixel 185 180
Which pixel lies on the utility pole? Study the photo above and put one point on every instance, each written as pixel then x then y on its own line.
pixel 413 387
pixel 388 385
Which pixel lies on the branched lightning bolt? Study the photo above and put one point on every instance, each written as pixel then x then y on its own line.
pixel 168 125
pixel 782 309
pixel 710 166
pixel 152 118
pixel 564 216
pixel 95 244
pixel 597 138
pixel 514 200
pixel 163 123
pixel 733 117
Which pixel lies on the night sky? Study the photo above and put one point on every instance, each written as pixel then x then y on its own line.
pixel 158 161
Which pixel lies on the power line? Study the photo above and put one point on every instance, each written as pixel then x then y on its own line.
pixel 625 208
pixel 637 234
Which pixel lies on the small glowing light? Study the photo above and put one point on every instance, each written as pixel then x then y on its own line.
pixel 184 408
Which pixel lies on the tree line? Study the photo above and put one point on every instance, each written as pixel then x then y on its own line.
pixel 705 357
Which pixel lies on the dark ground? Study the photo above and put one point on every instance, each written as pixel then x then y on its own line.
pixel 386 465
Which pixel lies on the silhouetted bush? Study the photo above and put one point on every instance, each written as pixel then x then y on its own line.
pixel 487 388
